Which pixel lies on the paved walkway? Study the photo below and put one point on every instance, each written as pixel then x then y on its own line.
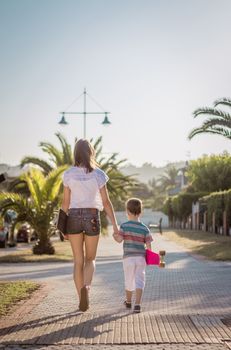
pixel 185 305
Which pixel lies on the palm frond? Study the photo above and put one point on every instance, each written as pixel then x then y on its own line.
pixel 55 155
pixel 13 201
pixel 216 121
pixel 36 161
pixel 223 101
pixel 196 131
pixel 117 164
pixel 22 206
pixel 221 131
pixel 219 122
pixel 66 149
pixel 97 143
pixel 168 178
pixel 211 111
pixel 98 152
pixel 213 130
pixel 35 181
pixel 53 182
pixel 112 158
pixel 107 164
pixel 19 186
pixel 100 160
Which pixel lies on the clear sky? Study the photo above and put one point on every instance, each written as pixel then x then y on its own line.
pixel 149 62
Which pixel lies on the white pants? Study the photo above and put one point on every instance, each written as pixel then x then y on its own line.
pixel 134 272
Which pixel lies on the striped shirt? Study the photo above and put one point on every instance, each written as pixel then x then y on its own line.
pixel 135 235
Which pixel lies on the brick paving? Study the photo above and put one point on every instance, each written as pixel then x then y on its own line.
pixel 183 305
pixel 121 347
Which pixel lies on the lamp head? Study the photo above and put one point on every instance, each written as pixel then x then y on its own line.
pixel 106 121
pixel 63 120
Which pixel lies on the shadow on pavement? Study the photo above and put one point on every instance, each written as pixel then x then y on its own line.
pixel 109 258
pixel 85 329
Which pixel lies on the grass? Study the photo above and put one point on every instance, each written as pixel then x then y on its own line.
pixel 210 245
pixel 62 253
pixel 12 292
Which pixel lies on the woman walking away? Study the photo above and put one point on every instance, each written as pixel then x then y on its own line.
pixel 85 195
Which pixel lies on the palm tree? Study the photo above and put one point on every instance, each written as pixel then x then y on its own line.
pixel 38 209
pixel 157 194
pixel 168 179
pixel 218 123
pixel 154 187
pixel 57 157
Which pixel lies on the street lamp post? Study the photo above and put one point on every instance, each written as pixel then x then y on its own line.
pixel 85 113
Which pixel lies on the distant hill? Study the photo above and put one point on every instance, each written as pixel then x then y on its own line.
pixel 144 173
pixel 148 171
pixel 12 171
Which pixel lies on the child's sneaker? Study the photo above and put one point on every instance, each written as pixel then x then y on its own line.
pixel 137 309
pixel 127 304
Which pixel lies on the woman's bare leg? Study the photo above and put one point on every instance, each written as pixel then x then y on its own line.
pixel 91 244
pixel 76 241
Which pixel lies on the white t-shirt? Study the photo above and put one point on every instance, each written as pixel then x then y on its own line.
pixel 85 187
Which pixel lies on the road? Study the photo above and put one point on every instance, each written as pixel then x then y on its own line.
pixel 185 305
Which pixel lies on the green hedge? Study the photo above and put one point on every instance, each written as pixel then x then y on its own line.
pixel 180 206
pixel 167 208
pixel 218 202
pixel 227 205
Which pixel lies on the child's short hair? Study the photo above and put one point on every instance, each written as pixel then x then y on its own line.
pixel 134 206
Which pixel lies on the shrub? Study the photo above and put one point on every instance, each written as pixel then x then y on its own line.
pixel 218 202
pixel 180 206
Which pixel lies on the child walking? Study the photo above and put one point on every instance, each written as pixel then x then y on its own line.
pixel 136 238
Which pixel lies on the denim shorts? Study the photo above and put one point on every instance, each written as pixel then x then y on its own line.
pixel 83 220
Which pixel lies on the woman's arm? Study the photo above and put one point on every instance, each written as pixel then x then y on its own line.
pixel 109 208
pixel 66 199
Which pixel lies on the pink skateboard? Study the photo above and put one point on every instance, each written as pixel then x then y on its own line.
pixel 153 258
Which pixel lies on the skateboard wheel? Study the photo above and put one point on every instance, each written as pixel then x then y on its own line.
pixel 162 255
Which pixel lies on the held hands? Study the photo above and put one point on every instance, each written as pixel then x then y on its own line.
pixel 116 235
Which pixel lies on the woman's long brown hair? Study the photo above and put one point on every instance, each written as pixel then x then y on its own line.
pixel 84 155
